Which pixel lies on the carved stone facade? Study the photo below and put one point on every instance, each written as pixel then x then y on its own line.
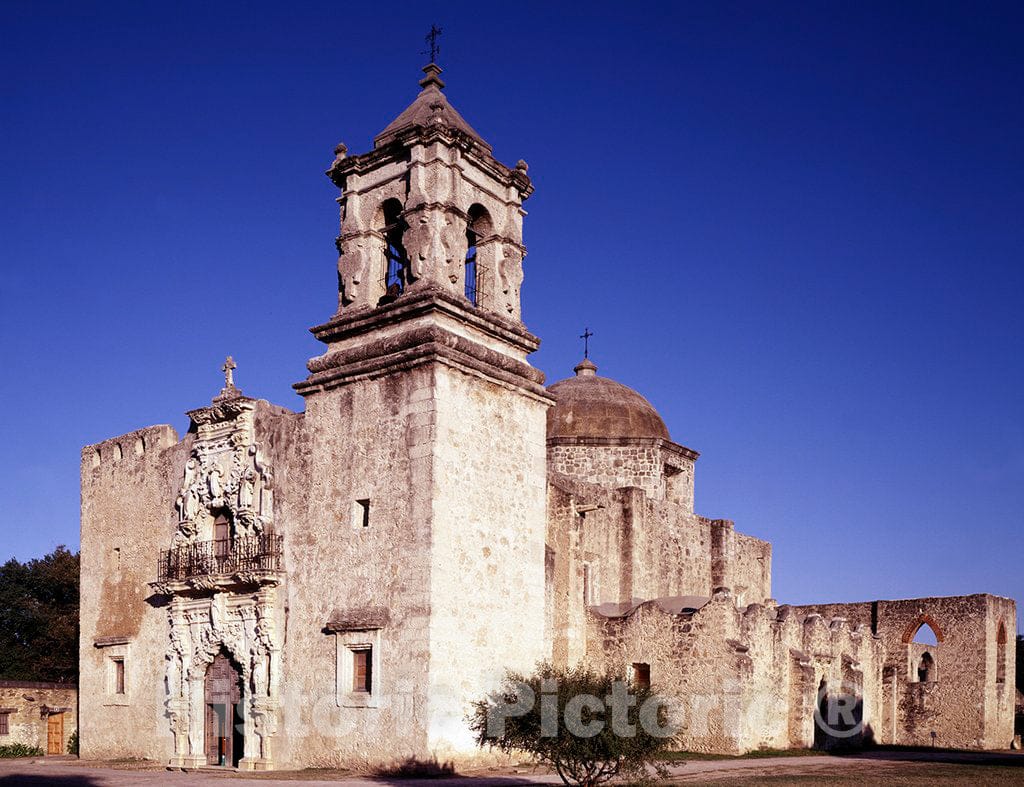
pixel 359 572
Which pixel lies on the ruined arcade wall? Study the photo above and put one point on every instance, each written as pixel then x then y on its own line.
pixel 964 705
pixel 742 678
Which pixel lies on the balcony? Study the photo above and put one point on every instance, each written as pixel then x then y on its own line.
pixel 209 564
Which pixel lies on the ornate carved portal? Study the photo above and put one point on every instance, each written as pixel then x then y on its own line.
pixel 227 619
pixel 239 629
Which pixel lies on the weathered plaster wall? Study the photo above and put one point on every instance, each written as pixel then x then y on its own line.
pixel 487 552
pixel 369 440
pixel 128 488
pixel 28 706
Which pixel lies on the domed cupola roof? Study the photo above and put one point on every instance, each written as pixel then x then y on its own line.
pixel 592 406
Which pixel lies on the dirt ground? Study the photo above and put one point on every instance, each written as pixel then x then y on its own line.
pixel 873 768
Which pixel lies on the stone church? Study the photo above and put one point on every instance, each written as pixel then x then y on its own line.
pixel 279 589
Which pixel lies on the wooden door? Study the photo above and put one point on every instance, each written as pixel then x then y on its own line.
pixel 55 733
pixel 223 695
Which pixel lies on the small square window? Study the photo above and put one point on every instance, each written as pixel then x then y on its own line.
pixel 358 676
pixel 117 675
pixel 362 670
pixel 642 675
pixel 361 513
pixel 5 728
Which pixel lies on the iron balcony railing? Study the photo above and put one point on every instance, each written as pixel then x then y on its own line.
pixel 225 556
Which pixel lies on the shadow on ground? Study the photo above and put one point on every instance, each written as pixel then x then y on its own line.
pixel 51 780
pixel 439 773
pixel 950 756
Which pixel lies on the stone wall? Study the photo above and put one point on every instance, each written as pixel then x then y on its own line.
pixel 741 679
pixel 662 469
pixel 29 706
pixel 487 598
pixel 128 488
pixel 368 441
pixel 963 704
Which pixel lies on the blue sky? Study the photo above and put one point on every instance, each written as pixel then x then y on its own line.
pixel 796 228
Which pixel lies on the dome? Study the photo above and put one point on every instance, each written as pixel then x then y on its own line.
pixel 592 406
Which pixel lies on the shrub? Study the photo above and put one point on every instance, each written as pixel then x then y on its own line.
pixel 73 743
pixel 589 726
pixel 19 750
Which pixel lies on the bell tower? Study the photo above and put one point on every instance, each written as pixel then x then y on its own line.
pixel 427 428
pixel 430 206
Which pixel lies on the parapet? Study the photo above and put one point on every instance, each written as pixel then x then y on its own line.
pixel 129 446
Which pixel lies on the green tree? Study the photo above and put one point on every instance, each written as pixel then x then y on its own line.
pixel 588 726
pixel 39 618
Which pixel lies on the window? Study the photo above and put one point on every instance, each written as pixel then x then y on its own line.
pixel 479 229
pixel 642 675
pixel 5 728
pixel 361 513
pixel 471 273
pixel 117 675
pixel 358 678
pixel 362 670
pixel 396 260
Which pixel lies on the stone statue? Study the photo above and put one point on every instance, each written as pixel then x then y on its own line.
pixel 214 483
pixel 246 490
pixel 510 273
pixel 417 240
pixel 353 268
pixel 455 245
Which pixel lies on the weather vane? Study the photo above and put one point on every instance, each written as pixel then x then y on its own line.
pixel 431 38
pixel 585 336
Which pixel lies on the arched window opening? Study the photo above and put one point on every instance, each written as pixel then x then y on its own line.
pixel 396 260
pixel 926 668
pixel 222 542
pixel 471 269
pixel 1001 654
pixel 478 227
pixel 926 635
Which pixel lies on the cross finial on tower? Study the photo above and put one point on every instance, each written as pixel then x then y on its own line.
pixel 585 336
pixel 431 39
pixel 228 368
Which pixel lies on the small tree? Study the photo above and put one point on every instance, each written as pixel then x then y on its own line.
pixel 589 726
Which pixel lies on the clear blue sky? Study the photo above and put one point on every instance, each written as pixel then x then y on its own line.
pixel 797 228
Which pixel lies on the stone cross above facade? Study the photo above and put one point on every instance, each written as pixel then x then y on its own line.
pixel 228 368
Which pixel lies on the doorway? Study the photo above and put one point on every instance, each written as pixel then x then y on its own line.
pixel 224 713
pixel 55 733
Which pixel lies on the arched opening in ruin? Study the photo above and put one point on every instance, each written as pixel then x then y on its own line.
pixel 225 719
pixel 821 716
pixel 925 635
pixel 926 668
